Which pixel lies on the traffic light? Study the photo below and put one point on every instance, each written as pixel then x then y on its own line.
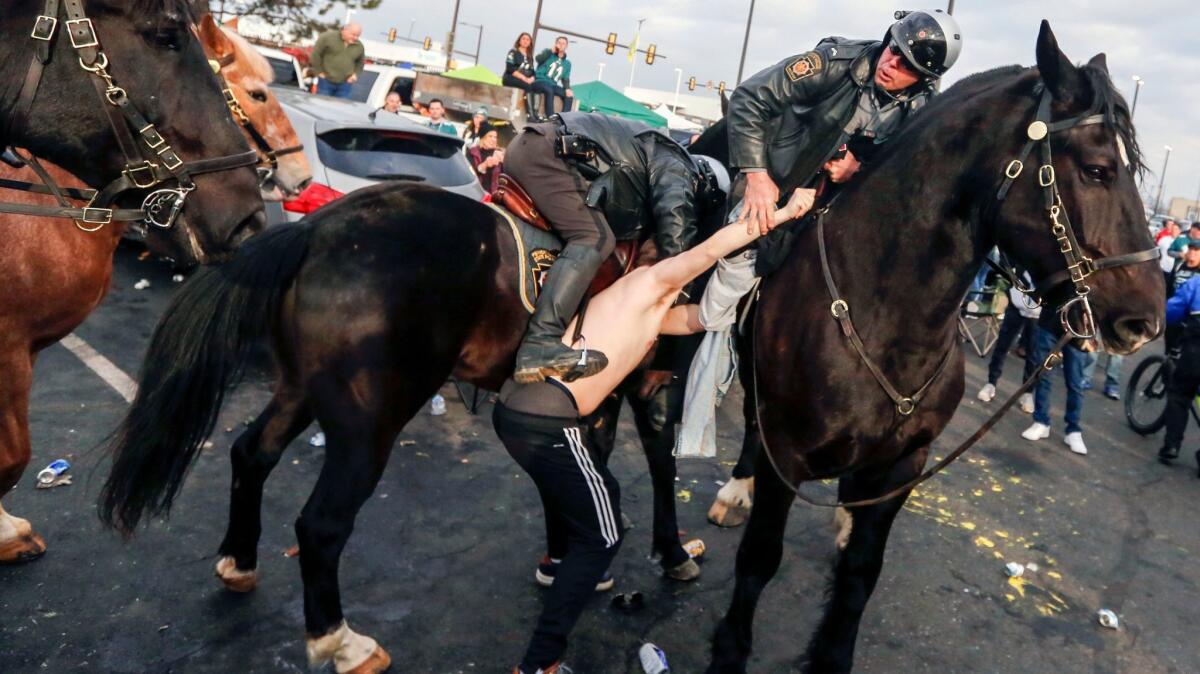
pixel 721 89
pixel 427 44
pixel 691 84
pixel 610 46
pixel 391 35
pixel 650 51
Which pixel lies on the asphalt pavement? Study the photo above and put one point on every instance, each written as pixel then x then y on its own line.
pixel 440 567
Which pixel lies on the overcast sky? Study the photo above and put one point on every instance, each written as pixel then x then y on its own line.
pixel 1158 40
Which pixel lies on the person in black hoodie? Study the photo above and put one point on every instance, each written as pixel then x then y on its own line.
pixel 519 67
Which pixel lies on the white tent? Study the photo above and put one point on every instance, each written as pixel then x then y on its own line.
pixel 674 121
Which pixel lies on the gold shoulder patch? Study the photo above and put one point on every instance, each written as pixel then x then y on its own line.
pixel 805 66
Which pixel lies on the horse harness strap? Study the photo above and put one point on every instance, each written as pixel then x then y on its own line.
pixel 159 208
pixel 1078 268
pixel 905 405
pixel 270 155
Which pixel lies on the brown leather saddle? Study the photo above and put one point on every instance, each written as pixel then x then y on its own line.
pixel 517 201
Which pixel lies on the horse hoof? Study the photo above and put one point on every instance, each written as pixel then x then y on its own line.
pixel 25 547
pixel 235 579
pixel 689 570
pixel 724 515
pixel 378 661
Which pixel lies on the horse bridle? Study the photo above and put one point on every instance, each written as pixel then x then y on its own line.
pixel 268 156
pixel 160 207
pixel 1078 268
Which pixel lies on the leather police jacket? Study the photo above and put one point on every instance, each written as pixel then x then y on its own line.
pixel 790 118
pixel 639 178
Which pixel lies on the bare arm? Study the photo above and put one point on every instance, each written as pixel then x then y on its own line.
pixel 682 320
pixel 676 272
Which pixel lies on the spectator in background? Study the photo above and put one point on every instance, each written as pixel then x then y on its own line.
pixel 1178 248
pixel 1166 237
pixel 1112 375
pixel 487 159
pixel 437 118
pixel 1183 318
pixel 519 68
pixel 1185 267
pixel 553 78
pixel 1020 323
pixel 338 58
pixel 1073 363
pixel 392 103
pixel 477 127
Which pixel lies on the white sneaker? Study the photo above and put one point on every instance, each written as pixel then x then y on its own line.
pixel 1027 403
pixel 987 393
pixel 1075 442
pixel 1037 432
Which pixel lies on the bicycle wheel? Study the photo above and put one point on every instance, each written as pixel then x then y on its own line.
pixel 1146 396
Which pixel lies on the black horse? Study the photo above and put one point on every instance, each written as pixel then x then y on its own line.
pixel 153 55
pixel 938 184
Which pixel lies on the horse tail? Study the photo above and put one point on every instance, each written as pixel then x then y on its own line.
pixel 198 351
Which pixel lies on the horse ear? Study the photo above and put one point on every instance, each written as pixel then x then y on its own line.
pixel 1062 79
pixel 216 45
pixel 1099 61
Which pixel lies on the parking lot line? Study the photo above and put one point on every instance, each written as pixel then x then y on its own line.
pixel 112 375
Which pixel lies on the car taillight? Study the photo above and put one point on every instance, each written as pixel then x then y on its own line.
pixel 313 197
pixel 487 198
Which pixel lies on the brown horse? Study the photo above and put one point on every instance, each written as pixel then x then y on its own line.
pixel 55 274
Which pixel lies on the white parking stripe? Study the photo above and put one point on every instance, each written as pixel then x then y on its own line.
pixel 112 375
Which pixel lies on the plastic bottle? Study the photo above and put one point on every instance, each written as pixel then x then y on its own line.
pixel 437 406
pixel 654 661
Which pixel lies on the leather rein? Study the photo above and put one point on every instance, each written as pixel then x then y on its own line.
pixel 1078 267
pixel 160 207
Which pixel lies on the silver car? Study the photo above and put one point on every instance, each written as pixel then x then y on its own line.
pixel 351 145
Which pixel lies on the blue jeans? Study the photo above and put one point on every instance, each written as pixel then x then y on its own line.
pixel 1112 370
pixel 549 91
pixel 327 88
pixel 1074 361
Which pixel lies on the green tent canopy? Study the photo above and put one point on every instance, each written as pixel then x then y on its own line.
pixel 475 74
pixel 599 97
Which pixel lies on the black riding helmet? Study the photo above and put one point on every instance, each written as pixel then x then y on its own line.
pixel 930 40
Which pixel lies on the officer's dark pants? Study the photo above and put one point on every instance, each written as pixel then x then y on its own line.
pixel 557 189
pixel 1185 381
pixel 582 504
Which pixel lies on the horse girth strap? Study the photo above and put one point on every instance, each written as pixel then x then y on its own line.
pixel 905 405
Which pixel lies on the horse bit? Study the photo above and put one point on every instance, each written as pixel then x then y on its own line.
pixel 160 207
pixel 269 161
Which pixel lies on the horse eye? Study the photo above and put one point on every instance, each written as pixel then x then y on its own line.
pixel 1095 172
pixel 259 96
pixel 169 38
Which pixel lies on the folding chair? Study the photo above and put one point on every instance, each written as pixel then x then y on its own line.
pixel 980 316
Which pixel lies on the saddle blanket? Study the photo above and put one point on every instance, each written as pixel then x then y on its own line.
pixel 537 250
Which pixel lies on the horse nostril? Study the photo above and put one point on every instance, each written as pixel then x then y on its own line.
pixel 1136 329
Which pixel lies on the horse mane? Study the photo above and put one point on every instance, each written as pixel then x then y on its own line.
pixel 166 8
pixel 1109 102
pixel 248 55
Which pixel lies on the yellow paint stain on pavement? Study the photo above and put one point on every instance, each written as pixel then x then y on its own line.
pixel 1001 534
pixel 977 492
pixel 1018 584
pixel 1010 597
pixel 685 496
pixel 997 488
pixel 1015 480
pixel 997 554
pixel 984 542
pixel 1054 574
pixel 969 526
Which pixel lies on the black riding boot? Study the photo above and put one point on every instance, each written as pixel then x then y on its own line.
pixel 542 353
pixel 1168 454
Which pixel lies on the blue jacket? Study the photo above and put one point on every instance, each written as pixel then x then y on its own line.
pixel 1185 301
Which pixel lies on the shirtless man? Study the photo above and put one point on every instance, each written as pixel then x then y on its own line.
pixel 541 426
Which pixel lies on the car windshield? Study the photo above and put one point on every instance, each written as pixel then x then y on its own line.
pixel 388 154
pixel 285 72
pixel 361 89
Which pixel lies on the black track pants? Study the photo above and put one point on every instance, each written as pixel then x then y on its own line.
pixel 581 500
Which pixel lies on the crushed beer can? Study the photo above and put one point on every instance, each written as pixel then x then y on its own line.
pixel 50 473
pixel 317 439
pixel 694 548
pixel 653 660
pixel 437 406
pixel 1108 619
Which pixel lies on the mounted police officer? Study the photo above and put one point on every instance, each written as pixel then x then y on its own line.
pixel 788 120
pixel 597 179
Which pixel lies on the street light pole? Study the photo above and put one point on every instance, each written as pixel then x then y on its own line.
pixel 637 36
pixel 745 43
pixel 1137 86
pixel 411 24
pixel 950 8
pixel 537 23
pixel 678 81
pixel 478 42
pixel 1162 180
pixel 450 37
pixel 600 75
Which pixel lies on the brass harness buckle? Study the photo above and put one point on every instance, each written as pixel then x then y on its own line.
pixel 97 216
pixel 87 36
pixel 44 27
pixel 133 172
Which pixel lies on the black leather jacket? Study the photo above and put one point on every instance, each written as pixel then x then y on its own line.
pixel 640 178
pixel 790 118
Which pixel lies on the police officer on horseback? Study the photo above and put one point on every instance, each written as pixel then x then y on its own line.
pixel 788 120
pixel 597 179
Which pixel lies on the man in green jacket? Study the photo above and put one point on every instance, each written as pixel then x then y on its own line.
pixel 553 77
pixel 337 58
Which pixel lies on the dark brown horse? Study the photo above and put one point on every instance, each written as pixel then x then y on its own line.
pixel 54 273
pixel 378 262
